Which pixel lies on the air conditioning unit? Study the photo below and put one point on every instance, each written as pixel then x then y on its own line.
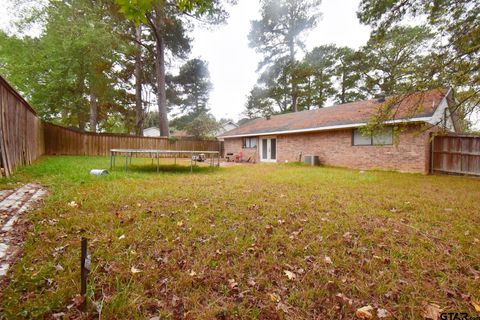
pixel 311 160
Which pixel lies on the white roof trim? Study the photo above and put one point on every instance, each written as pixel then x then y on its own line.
pixel 340 126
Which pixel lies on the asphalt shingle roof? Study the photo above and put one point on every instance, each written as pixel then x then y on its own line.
pixel 410 106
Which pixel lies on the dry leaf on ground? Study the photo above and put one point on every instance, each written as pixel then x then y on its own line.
pixel 232 284
pixel 283 307
pixel 135 270
pixel 383 313
pixel 364 312
pixel 431 311
pixel 290 275
pixel 476 305
pixel 274 297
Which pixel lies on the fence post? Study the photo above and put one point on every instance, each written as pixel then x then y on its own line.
pixel 432 145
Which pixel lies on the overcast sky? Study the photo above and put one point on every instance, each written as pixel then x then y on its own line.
pixel 233 64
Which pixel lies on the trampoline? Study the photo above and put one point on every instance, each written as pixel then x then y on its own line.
pixel 156 153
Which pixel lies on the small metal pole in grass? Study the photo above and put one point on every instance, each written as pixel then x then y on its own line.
pixel 85 262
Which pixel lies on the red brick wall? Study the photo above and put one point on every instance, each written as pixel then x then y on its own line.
pixel 235 146
pixel 410 153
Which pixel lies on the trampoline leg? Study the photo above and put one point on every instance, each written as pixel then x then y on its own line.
pixel 191 162
pixel 158 163
pixel 111 160
pixel 126 162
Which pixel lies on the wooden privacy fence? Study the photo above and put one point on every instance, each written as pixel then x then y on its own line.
pixel 63 141
pixel 21 132
pixel 456 154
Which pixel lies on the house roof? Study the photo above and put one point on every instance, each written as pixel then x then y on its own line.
pixel 414 107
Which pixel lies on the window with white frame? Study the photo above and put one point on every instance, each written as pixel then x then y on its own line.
pixel 379 138
pixel 249 142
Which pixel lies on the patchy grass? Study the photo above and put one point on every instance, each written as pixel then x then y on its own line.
pixel 247 242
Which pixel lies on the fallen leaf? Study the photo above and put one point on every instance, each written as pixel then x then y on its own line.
pixel 175 301
pixel 347 235
pixel 290 274
pixel 192 273
pixel 344 299
pixel 283 307
pixel 180 224
pixel 78 300
pixel 59 267
pixel 382 313
pixel 328 260
pixel 331 286
pixel 59 315
pixel 269 229
pixel 121 237
pixel 135 270
pixel 431 311
pixel 251 282
pixel 476 305
pixel 364 312
pixel 73 204
pixel 274 297
pixel 232 284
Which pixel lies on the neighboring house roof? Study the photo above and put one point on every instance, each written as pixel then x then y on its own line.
pixel 224 127
pixel 417 107
pixel 151 132
pixel 155 132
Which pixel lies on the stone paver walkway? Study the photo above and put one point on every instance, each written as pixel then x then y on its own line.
pixel 13 203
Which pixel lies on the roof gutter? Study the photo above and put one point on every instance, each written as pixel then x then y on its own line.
pixel 340 126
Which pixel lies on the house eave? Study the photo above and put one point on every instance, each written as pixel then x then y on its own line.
pixel 325 128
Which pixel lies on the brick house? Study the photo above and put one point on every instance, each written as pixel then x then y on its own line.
pixel 334 133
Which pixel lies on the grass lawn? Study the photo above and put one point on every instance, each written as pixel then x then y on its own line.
pixel 248 242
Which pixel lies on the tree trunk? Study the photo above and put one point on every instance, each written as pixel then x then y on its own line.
pixel 93 112
pixel 292 66
pixel 344 91
pixel 160 74
pixel 138 84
